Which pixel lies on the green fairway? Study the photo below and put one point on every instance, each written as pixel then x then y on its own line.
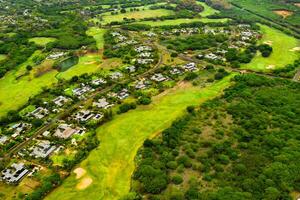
pixel 97 33
pixel 180 21
pixel 207 10
pixel 109 167
pixel 87 64
pixel 15 93
pixel 42 41
pixel 108 18
pixel 284 51
pixel 2 57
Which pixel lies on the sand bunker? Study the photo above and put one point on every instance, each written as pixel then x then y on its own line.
pixel 270 67
pixel 283 13
pixel 269 42
pixel 84 183
pixel 295 49
pixel 80 172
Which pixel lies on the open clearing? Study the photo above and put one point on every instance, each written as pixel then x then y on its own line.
pixel 108 18
pixel 42 41
pixel 180 21
pixel 97 33
pixel 207 9
pixel 2 57
pixel 283 51
pixel 112 163
pixel 284 13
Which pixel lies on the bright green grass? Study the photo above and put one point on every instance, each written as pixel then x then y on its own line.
pixel 180 21
pixel 97 33
pixel 111 164
pixel 42 41
pixel 282 51
pixel 2 57
pixel 108 18
pixel 207 10
pixel 15 93
pixel 88 63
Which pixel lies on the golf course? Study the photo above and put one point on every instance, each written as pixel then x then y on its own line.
pixel 285 50
pixel 106 172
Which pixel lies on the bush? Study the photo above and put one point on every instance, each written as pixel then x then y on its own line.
pixel 177 179
pixel 126 107
pixel 144 100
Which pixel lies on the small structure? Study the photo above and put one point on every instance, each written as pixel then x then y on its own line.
pixel 98 81
pixel 81 91
pixel 19 128
pixel 175 71
pixel 158 77
pixel 102 103
pixel 140 85
pixel 64 131
pixel 56 55
pixel 131 69
pixel 123 94
pixel 14 173
pixel 116 75
pixel 190 67
pixel 143 49
pixel 3 139
pixel 40 112
pixel 43 149
pixel 84 115
pixel 60 100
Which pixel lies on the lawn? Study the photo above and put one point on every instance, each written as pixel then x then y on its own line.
pixel 15 93
pixel 108 18
pixel 2 57
pixel 97 33
pixel 109 167
pixel 42 41
pixel 180 21
pixel 283 50
pixel 207 10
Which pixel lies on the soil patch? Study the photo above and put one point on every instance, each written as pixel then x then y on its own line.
pixel 270 67
pixel 283 13
pixel 297 4
pixel 80 172
pixel 84 183
pixel 295 49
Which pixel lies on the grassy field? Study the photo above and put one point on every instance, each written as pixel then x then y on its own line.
pixel 109 167
pixel 180 21
pixel 2 57
pixel 207 10
pixel 283 51
pixel 107 17
pixel 42 41
pixel 97 33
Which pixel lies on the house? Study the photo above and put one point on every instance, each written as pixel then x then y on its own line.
pixel 158 77
pixel 3 139
pixel 175 71
pixel 145 55
pixel 40 113
pixel 19 128
pixel 14 173
pixel 116 75
pixel 98 116
pixel 81 91
pixel 102 103
pixel 131 69
pixel 144 61
pixel 43 149
pixel 123 94
pixel 142 49
pixel 60 100
pixel 64 131
pixel 56 55
pixel 140 85
pixel 211 56
pixel 98 81
pixel 190 67
pixel 84 115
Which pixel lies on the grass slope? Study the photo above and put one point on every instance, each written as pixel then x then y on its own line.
pixel 207 10
pixel 2 57
pixel 107 17
pixel 282 54
pixel 180 21
pixel 42 41
pixel 110 166
pixel 97 33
